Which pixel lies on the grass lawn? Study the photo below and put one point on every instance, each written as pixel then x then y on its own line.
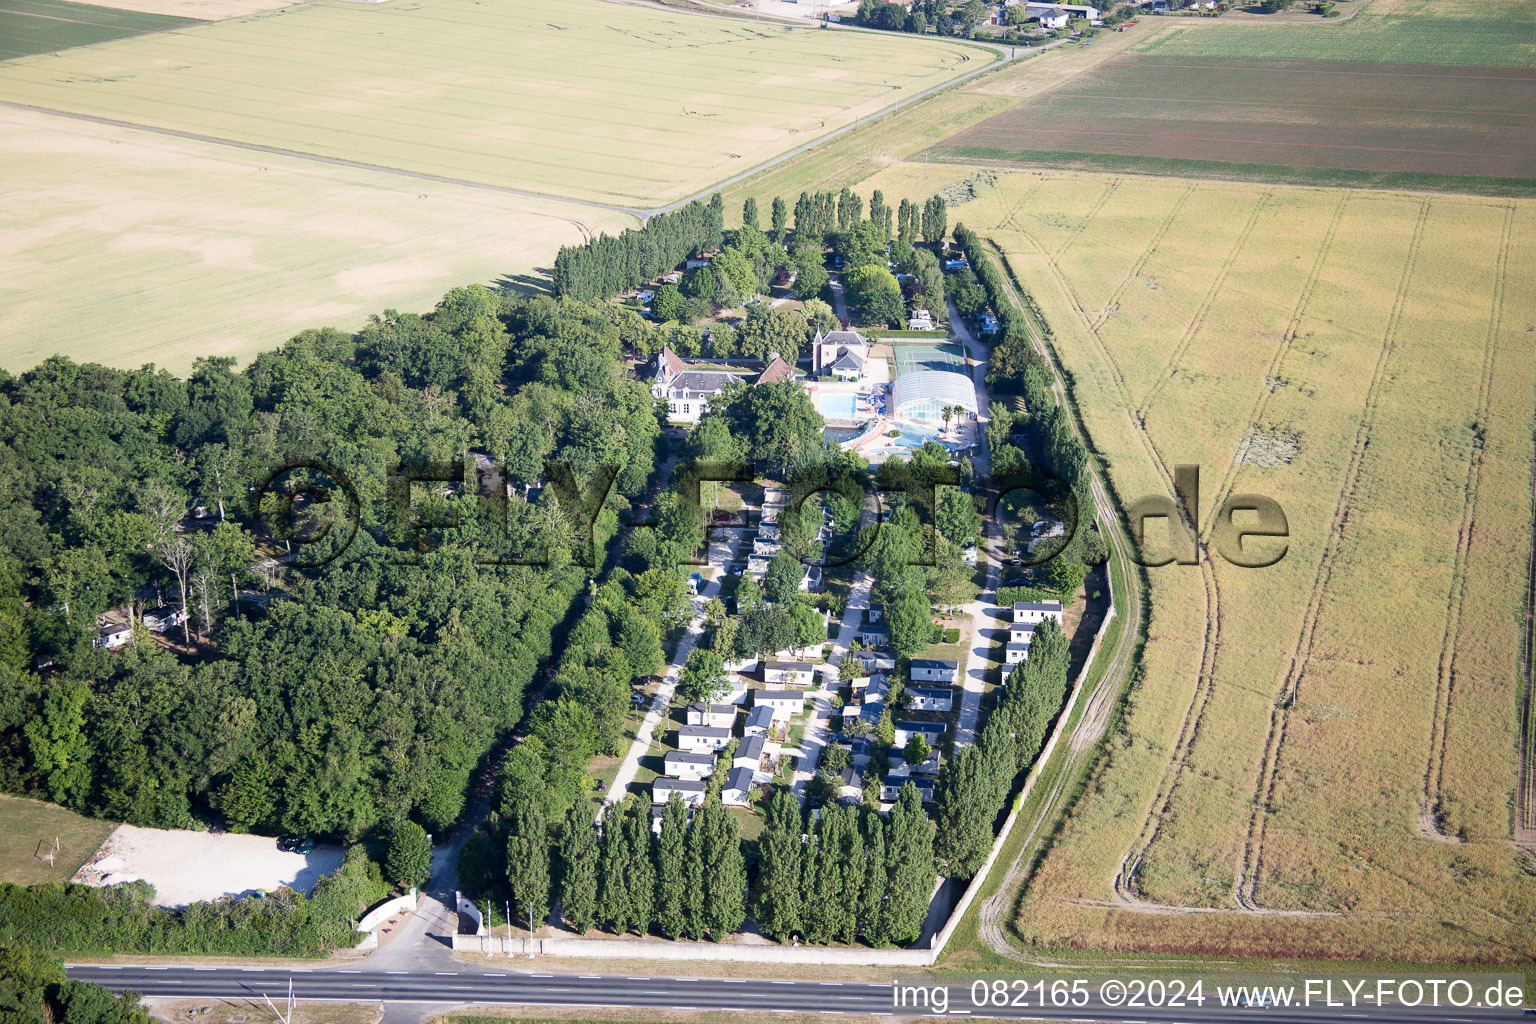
pixel 29 827
pixel 749 822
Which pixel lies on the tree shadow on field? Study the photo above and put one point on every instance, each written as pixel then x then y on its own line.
pixel 537 282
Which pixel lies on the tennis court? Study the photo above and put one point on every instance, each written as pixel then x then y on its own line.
pixel 912 356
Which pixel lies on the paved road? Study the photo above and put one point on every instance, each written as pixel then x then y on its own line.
pixel 985 617
pixel 477 985
pixel 662 700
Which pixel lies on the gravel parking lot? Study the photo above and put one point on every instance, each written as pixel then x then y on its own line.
pixel 190 867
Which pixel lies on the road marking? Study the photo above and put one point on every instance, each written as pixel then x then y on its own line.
pixel 397 972
pixel 349 972
pixel 205 968
pixel 541 975
pixel 781 983
pixel 637 979
pixel 154 968
pixel 838 983
pixel 734 981
pixel 493 975
pixel 591 977
pixel 446 974
pixel 248 970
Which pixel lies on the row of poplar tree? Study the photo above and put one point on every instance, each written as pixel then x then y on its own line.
pixel 840 875
pixel 610 264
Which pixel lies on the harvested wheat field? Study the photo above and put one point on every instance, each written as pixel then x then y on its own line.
pixel 1367 360
pixel 125 248
pixel 596 101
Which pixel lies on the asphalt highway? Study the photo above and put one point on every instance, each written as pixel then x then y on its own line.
pixel 473 984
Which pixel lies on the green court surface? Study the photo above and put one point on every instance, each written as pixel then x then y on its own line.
pixel 912 356
pixel 42 26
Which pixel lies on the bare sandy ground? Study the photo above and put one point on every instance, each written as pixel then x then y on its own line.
pixel 190 867
pixel 204 10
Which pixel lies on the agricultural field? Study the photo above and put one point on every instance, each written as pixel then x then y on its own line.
pixel 1488 33
pixel 29 828
pixel 124 247
pixel 888 147
pixel 1399 124
pixel 1366 360
pixel 596 101
pixel 42 26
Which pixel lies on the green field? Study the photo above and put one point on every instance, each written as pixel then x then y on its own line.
pixel 29 827
pixel 597 101
pixel 42 26
pixel 1470 32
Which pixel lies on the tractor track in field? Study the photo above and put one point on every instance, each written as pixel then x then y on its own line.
pixel 1203 310
pixel 1445 678
pixel 1123 884
pixel 1088 217
pixel 1146 254
pixel 1245 888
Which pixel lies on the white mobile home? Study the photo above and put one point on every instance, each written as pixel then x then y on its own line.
pixel 784 703
pixel 934 670
pixel 682 765
pixel 925 698
pixel 1035 612
pixel 702 739
pixel 716 716
pixel 788 673
pixel 691 790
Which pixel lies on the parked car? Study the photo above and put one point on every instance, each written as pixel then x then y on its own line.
pixel 722 516
pixel 296 844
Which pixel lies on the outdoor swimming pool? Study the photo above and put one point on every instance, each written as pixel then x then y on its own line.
pixel 841 407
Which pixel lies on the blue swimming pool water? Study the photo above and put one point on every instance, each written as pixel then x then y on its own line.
pixel 843 407
pixel 913 437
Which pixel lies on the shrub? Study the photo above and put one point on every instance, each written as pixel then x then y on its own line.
pixel 952 636
pixel 409 861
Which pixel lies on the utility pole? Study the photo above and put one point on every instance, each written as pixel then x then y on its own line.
pixel 509 927
pixel 530 929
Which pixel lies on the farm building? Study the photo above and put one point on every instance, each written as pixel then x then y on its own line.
pixel 682 765
pixel 691 790
pixel 935 670
pixel 783 702
pixel 924 698
pixel 716 716
pixel 925 394
pixel 788 673
pixel 699 739
pixel 1035 612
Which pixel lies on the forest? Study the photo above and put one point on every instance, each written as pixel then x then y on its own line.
pixel 327 701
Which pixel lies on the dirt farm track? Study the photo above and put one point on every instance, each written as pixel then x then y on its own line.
pixel 1403 118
